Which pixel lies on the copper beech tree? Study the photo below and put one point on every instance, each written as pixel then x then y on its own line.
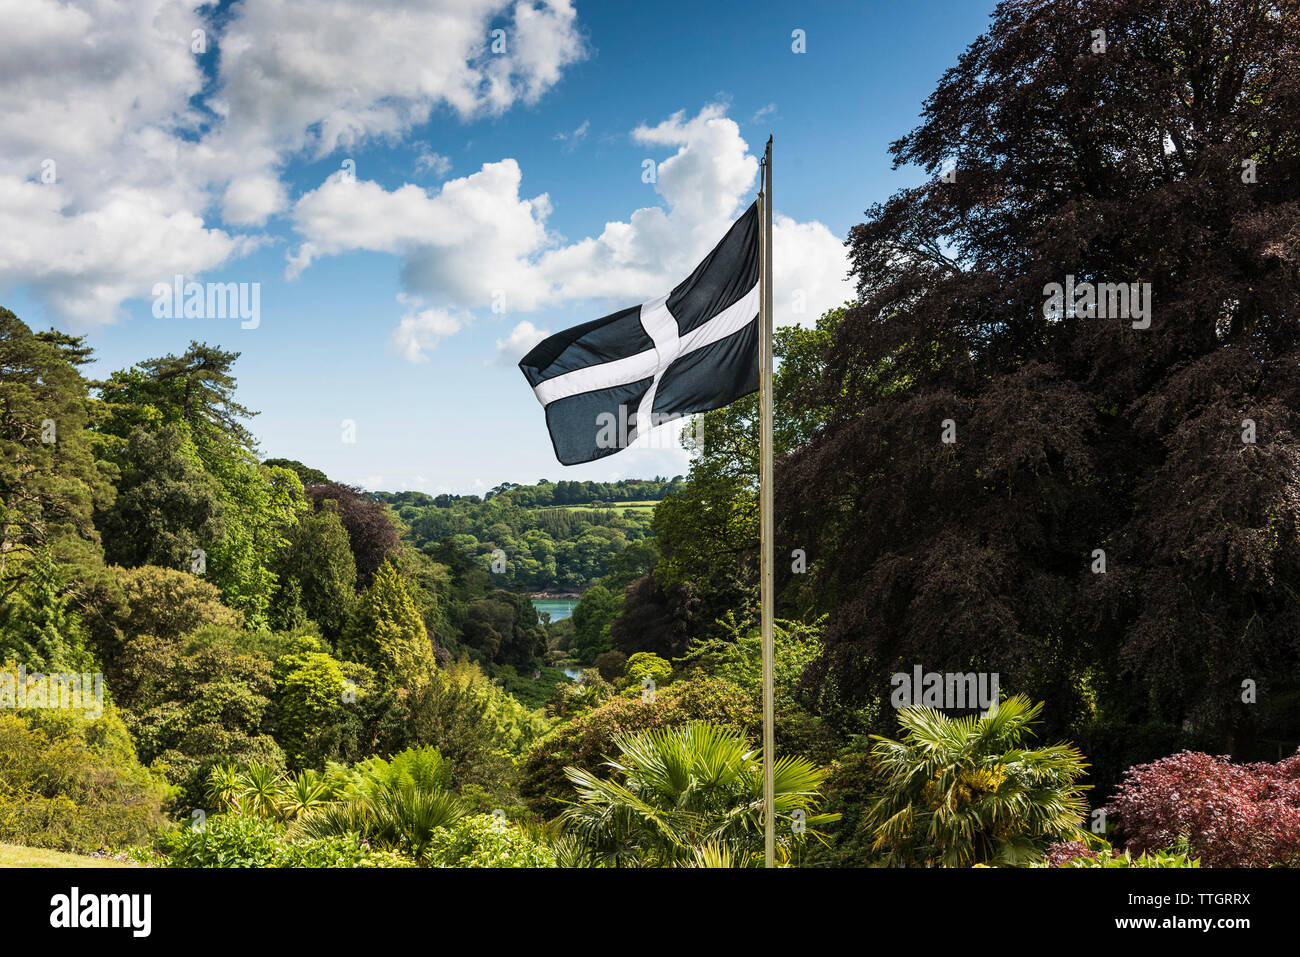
pixel 1105 512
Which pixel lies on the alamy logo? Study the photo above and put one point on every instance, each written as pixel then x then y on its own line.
pixel 1105 300
pixel 621 431
pixel 133 911
pixel 951 691
pixel 209 300
pixel 65 691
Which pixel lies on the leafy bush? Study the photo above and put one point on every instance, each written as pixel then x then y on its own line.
pixel 243 840
pixel 346 850
pixel 965 791
pixel 1230 815
pixel 398 804
pixel 851 789
pixel 485 841
pixel 1077 854
pixel 685 793
pixel 590 690
pixel 73 784
pixel 226 840
pixel 612 665
pixel 585 741
pixel 646 670
pixel 415 767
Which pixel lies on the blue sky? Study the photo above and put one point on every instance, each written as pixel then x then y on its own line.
pixel 218 166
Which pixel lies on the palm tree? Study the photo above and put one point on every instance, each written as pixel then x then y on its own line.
pixel 962 791
pixel 259 789
pixel 223 786
pixel 400 816
pixel 306 791
pixel 687 791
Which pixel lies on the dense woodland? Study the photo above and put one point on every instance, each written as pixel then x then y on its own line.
pixel 300 673
pixel 553 536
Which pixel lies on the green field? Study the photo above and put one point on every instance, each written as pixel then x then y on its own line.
pixel 12 855
pixel 643 506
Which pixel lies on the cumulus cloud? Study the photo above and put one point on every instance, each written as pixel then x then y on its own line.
pixel 340 71
pixel 146 162
pixel 420 330
pixel 429 161
pixel 465 244
pixel 522 338
pixel 477 242
pixel 251 200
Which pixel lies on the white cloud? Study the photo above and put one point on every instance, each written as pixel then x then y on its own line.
pixel 84 262
pixel 522 338
pixel 467 244
pixel 476 242
pixel 809 271
pixel 429 161
pixel 571 140
pixel 340 71
pixel 251 200
pixel 147 184
pixel 420 330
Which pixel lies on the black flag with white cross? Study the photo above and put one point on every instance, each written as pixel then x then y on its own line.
pixel 607 381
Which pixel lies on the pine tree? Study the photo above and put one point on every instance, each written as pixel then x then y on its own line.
pixel 387 633
pixel 40 631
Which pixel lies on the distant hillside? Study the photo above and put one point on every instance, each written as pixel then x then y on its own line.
pixel 556 536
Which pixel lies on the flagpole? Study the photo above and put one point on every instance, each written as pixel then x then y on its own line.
pixel 765 513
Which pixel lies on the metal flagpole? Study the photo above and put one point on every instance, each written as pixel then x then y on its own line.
pixel 765 511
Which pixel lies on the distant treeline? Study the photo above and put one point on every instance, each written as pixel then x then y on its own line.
pixel 513 532
pixel 546 493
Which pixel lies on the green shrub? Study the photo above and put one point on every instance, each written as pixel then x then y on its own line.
pixel 226 840
pixel 1167 858
pixel 318 718
pixel 586 740
pixel 73 784
pixel 643 668
pixel 1076 854
pixel 346 850
pixel 485 841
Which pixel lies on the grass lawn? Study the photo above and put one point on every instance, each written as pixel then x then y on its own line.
pixel 534 694
pixel 11 855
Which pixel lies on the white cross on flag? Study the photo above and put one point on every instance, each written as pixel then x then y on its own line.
pixel 607 381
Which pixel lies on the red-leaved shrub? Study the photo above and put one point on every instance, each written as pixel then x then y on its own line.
pixel 1233 815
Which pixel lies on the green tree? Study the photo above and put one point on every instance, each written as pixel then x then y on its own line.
pixel 318 702
pixel 196 388
pixel 682 790
pixel 39 630
pixel 159 603
pixel 195 393
pixel 387 633
pixel 167 505
pixel 318 559
pixel 646 670
pixel 591 619
pixel 50 480
pixel 193 704
pixel 707 532
pixel 964 791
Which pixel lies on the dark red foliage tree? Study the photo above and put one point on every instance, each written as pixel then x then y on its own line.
pixel 1171 157
pixel 371 531
pixel 654 620
pixel 1232 815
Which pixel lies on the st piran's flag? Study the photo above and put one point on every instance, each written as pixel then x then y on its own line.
pixel 606 381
